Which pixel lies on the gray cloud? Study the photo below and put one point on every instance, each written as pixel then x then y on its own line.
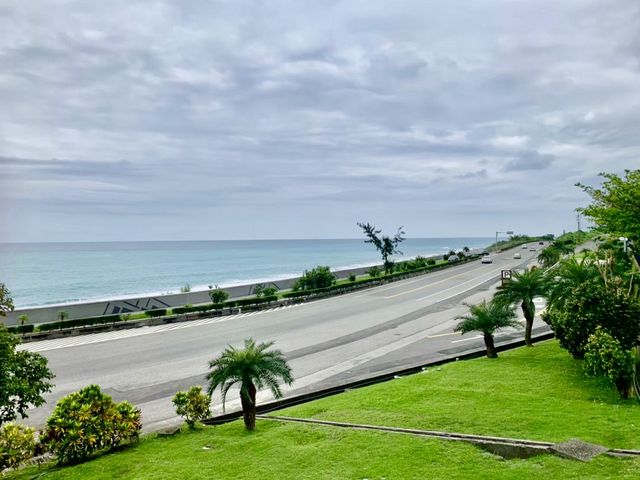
pixel 245 111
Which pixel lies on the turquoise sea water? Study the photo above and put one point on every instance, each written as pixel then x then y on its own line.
pixel 53 273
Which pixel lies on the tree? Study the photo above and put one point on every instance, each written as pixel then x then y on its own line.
pixel 615 206
pixel 319 277
pixel 217 294
pixel 524 287
pixel 487 318
pixel 6 302
pixel 591 305
pixel 605 357
pixel 387 246
pixel 549 256
pixel 569 274
pixel 253 368
pixel 24 378
pixel 24 318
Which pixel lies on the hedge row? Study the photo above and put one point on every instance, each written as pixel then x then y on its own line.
pixel 21 329
pixel 370 281
pixel 79 322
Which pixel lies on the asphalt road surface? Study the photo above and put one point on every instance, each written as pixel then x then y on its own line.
pixel 327 342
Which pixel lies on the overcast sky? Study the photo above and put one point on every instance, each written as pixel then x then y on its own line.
pixel 124 120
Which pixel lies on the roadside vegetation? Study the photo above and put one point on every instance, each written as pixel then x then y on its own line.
pixel 539 393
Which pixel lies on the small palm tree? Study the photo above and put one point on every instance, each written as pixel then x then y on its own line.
pixel 488 318
pixel 569 274
pixel 253 368
pixel 549 256
pixel 524 287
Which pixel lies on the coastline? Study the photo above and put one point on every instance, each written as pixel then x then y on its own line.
pixel 126 304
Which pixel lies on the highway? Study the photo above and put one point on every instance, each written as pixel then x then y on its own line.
pixel 327 342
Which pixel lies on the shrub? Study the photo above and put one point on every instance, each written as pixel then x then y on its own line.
pixel 374 272
pixel 431 261
pixel 158 312
pixel 87 421
pixel 605 357
pixel 591 305
pixel 269 292
pixel 319 277
pixel 16 445
pixel 186 288
pixel 352 277
pixel 193 405
pixel 218 295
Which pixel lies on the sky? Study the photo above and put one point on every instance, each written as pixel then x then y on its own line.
pixel 173 120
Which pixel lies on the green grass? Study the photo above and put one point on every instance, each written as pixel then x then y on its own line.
pixel 536 393
pixel 285 451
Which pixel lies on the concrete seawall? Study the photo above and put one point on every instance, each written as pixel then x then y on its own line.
pixel 137 304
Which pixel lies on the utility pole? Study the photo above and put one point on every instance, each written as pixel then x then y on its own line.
pixel 578 220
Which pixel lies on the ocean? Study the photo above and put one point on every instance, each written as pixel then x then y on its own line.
pixel 40 274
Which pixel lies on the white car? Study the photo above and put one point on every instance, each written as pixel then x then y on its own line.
pixel 487 259
pixel 517 255
pixel 524 247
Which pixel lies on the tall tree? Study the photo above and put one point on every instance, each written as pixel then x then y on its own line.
pixel 569 274
pixel 386 245
pixel 487 318
pixel 24 378
pixel 6 302
pixel 615 206
pixel 524 287
pixel 253 367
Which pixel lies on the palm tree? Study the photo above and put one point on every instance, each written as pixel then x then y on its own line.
pixel 488 318
pixel 549 256
pixel 569 274
pixel 254 368
pixel 524 287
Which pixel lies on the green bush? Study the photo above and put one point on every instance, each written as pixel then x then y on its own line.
pixel 431 261
pixel 158 312
pixel 605 357
pixel 591 305
pixel 193 405
pixel 87 421
pixel 352 277
pixel 269 292
pixel 218 295
pixel 16 445
pixel 319 277
pixel 374 272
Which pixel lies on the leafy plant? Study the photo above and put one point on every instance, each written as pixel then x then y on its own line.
pixel 193 405
pixel 487 318
pixel 217 295
pixel 319 277
pixel 604 356
pixel 352 277
pixel 260 290
pixel 385 245
pixel 87 421
pixel 24 378
pixel 24 318
pixel 374 272
pixel 186 288
pixel 589 306
pixel 63 315
pixel 16 445
pixel 6 302
pixel 253 367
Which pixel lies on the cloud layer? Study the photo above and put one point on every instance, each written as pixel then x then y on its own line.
pixel 205 120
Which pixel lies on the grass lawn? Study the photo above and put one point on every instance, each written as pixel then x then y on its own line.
pixel 537 393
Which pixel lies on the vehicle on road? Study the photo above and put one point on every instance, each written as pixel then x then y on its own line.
pixel 524 246
pixel 487 259
pixel 540 243
pixel 517 255
pixel 532 249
